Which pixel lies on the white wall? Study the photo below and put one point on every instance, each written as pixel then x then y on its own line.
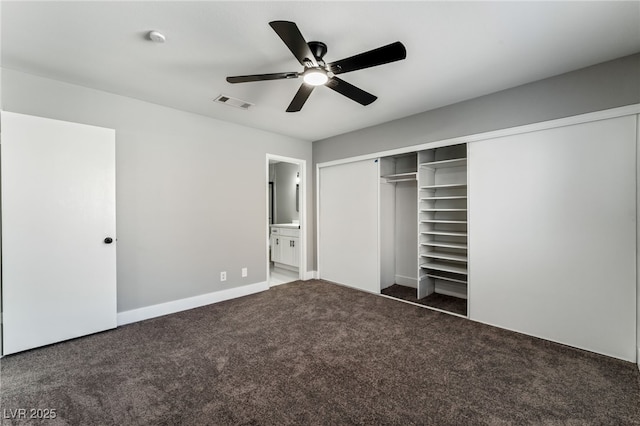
pixel 190 189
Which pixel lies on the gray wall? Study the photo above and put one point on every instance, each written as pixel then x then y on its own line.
pixel 285 192
pixel 607 85
pixel 191 195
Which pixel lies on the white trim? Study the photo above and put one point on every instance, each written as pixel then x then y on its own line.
pixel 310 275
pixel 469 238
pixel 378 218
pixel 286 267
pixel 318 272
pixel 302 166
pixel 140 314
pixel 527 128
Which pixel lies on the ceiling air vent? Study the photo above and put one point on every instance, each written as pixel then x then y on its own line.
pixel 228 100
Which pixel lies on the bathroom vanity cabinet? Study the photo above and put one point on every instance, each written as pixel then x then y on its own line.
pixel 285 246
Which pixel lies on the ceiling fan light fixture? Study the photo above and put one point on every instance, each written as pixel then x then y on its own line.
pixel 315 77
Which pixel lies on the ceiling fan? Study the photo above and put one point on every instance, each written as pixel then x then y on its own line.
pixel 317 72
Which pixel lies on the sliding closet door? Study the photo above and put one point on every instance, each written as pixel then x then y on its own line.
pixel 58 231
pixel 348 224
pixel 552 234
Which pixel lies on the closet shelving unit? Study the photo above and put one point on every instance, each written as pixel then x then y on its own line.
pixel 442 222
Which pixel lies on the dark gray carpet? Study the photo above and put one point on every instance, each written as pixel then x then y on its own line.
pixel 434 300
pixel 318 353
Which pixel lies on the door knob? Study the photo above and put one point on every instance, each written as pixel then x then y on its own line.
pixel 108 240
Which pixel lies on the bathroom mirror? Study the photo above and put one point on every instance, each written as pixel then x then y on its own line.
pixel 286 191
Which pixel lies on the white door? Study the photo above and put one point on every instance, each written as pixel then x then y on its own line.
pixel 58 209
pixel 348 225
pixel 552 237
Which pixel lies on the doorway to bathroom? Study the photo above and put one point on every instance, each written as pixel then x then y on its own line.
pixel 286 219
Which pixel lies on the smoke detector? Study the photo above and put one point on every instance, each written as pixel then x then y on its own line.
pixel 156 37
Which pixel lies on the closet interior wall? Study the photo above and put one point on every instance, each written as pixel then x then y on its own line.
pixel 398 219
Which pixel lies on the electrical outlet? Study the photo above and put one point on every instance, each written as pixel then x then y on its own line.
pixel 244 272
pixel 223 276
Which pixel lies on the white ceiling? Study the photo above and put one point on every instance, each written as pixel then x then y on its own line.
pixel 455 51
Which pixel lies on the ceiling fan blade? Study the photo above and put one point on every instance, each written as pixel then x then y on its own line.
pixel 262 77
pixel 291 36
pixel 300 98
pixel 382 55
pixel 350 91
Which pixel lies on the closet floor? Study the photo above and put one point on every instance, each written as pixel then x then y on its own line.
pixel 435 300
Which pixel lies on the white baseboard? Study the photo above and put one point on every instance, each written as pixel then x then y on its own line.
pixel 310 275
pixel 140 314
pixel 638 358
pixel 285 266
pixel 406 281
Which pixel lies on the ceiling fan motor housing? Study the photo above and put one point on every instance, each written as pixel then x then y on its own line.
pixel 318 48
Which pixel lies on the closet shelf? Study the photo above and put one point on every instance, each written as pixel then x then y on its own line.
pixel 448 197
pixel 454 162
pixel 442 221
pixel 445 186
pixel 444 256
pixel 401 177
pixel 444 244
pixel 445 278
pixel 443 210
pixel 447 233
pixel 444 267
